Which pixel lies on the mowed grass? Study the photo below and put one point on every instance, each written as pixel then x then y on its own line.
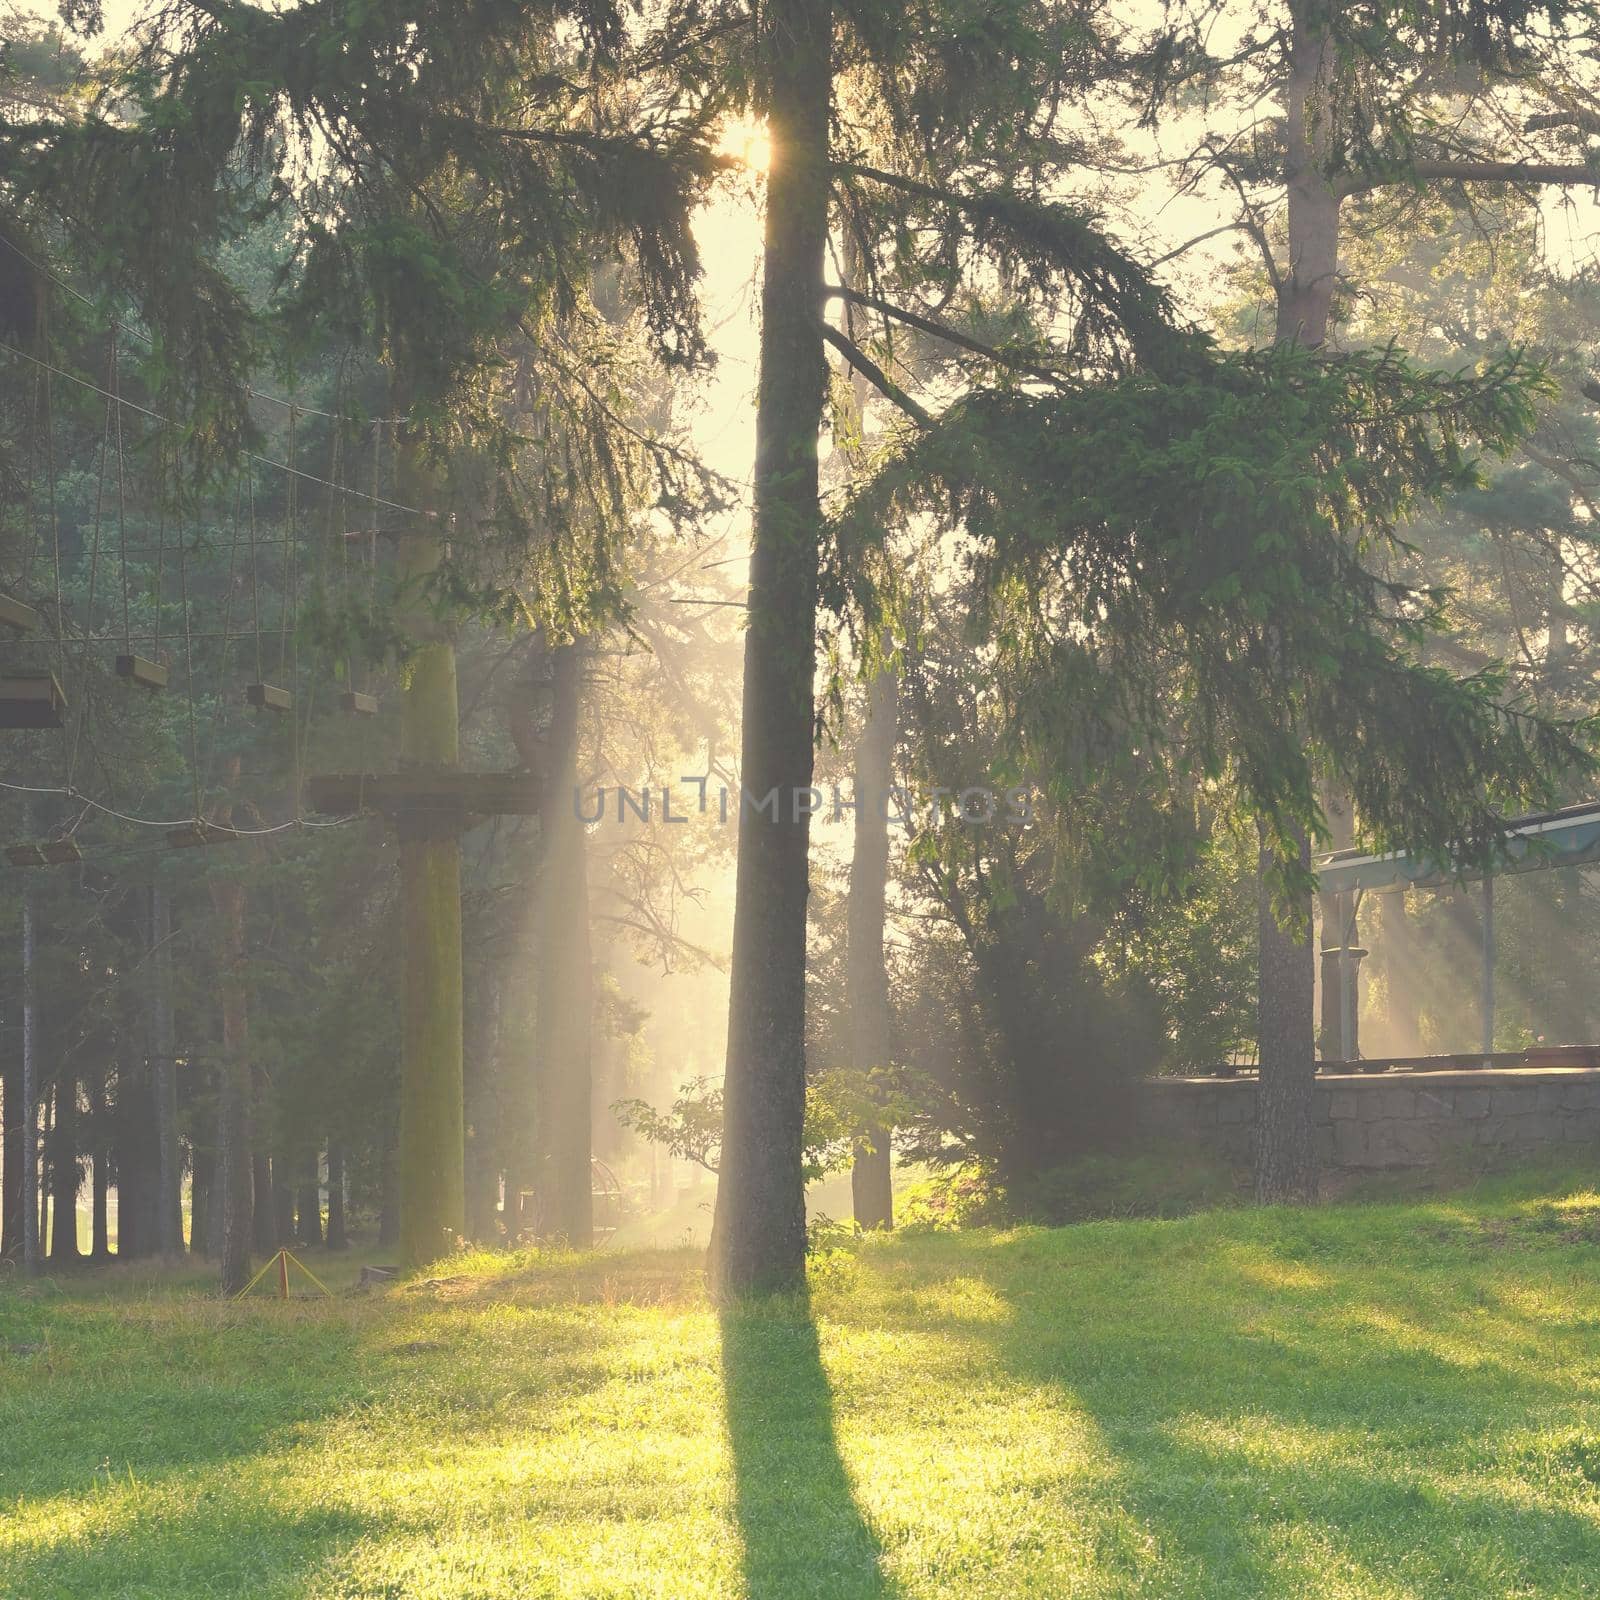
pixel 1383 1400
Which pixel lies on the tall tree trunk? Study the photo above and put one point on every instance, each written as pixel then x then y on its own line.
pixel 138 1161
pixel 42 1221
pixel 431 1176
pixel 202 1180
pixel 169 1161
pixel 484 1112
pixel 758 1236
pixel 338 1235
pixel 233 1100
pixel 310 1203
pixel 1285 1165
pixel 66 1176
pixel 11 1161
pixel 282 1202
pixel 389 1190
pixel 30 1082
pixel 866 980
pixel 100 1181
pixel 266 1172
pixel 263 1193
pixel 564 1008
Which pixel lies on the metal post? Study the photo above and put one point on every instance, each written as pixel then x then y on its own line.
pixel 1486 987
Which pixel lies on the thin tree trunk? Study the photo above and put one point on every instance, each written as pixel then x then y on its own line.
pixel 866 976
pixel 310 1205
pixel 66 1176
pixel 282 1202
pixel 169 1200
pixel 564 1007
pixel 264 1195
pixel 233 1100
pixel 389 1197
pixel 42 1223
pixel 758 1236
pixel 483 1103
pixel 1285 1152
pixel 338 1236
pixel 431 1170
pixel 30 1085
pixel 11 1161
pixel 202 1181
pixel 100 1195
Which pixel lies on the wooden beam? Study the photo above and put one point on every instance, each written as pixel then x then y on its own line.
pixel 136 669
pixel 268 697
pixel 482 794
pixel 34 701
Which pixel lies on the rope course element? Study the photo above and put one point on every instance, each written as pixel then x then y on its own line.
pixel 37 700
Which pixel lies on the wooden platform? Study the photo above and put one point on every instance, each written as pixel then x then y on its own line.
pixel 33 701
pixel 393 794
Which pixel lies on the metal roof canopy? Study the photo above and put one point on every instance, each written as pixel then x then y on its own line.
pixel 1566 838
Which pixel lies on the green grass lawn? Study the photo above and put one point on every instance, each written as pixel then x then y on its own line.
pixel 1380 1400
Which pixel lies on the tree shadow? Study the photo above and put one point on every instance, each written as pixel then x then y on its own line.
pixel 1278 1428
pixel 162 1550
pixel 802 1531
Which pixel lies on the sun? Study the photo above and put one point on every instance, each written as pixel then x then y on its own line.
pixel 745 140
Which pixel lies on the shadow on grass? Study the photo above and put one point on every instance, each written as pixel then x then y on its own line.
pixel 153 1553
pixel 1282 1429
pixel 802 1531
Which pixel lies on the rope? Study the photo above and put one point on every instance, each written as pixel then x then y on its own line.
pixel 266 461
pixel 71 793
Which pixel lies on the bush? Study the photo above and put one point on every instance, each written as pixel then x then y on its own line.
pixel 1158 1183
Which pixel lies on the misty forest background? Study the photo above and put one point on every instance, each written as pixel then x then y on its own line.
pixel 1188 414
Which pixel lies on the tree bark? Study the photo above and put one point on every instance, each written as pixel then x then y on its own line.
pixel 871 1023
pixel 1285 1165
pixel 389 1190
pixel 169 1200
pixel 11 1161
pixel 282 1202
pixel 66 1176
pixel 484 1110
pixel 758 1236
pixel 233 1100
pixel 432 1133
pixel 30 1084
pixel 263 1189
pixel 100 1193
pixel 202 1182
pixel 338 1235
pixel 309 1230
pixel 564 1012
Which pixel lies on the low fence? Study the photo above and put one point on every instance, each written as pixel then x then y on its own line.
pixel 1376 1122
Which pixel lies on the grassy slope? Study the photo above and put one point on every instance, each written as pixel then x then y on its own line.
pixel 1395 1400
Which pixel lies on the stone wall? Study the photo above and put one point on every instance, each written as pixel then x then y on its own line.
pixel 1382 1121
